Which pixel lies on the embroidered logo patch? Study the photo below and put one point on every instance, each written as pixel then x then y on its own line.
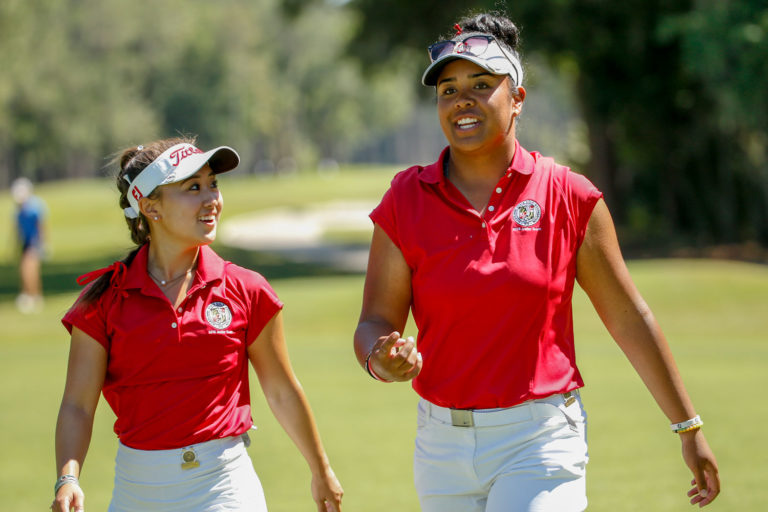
pixel 527 213
pixel 218 315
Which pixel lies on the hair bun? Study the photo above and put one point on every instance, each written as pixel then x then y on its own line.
pixel 496 24
pixel 128 155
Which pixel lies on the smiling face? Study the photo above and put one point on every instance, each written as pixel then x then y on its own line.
pixel 476 108
pixel 188 211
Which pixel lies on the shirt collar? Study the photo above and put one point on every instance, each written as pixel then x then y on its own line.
pixel 522 162
pixel 210 267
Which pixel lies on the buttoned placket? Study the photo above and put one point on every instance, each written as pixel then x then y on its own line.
pixel 179 310
pixel 494 202
pixel 453 195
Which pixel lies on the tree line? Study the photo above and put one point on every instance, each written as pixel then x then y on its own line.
pixel 671 92
pixel 84 78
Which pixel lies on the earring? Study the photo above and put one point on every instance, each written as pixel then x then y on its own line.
pixel 154 218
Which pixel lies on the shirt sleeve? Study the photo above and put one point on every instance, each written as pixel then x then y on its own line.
pixel 89 318
pixel 264 306
pixel 384 216
pixel 583 196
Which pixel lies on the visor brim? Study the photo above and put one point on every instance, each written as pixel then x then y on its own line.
pixel 221 159
pixel 429 78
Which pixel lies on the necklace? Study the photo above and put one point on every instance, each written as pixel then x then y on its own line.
pixel 164 282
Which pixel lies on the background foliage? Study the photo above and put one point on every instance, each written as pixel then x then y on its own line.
pixel 671 92
pixel 84 78
pixel 664 98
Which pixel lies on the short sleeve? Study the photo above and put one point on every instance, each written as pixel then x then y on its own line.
pixel 582 197
pixel 384 216
pixel 264 306
pixel 89 318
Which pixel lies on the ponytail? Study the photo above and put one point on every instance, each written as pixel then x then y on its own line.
pixel 131 162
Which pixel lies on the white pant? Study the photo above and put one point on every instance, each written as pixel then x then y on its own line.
pixel 527 458
pixel 219 477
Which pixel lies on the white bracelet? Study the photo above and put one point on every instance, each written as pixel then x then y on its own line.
pixel 686 426
pixel 64 480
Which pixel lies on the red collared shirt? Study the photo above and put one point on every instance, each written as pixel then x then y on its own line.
pixel 177 377
pixel 492 291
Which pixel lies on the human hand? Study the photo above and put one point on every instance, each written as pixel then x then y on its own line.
pixel 702 463
pixel 69 498
pixel 327 491
pixel 396 359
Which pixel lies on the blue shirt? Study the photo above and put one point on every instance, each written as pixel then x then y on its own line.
pixel 29 221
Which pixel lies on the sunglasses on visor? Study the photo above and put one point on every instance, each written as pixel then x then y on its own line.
pixel 473 45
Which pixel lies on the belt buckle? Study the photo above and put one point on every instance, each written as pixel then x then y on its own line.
pixel 189 458
pixel 462 418
pixel 569 398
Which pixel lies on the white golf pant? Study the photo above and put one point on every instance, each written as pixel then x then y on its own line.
pixel 215 476
pixel 527 458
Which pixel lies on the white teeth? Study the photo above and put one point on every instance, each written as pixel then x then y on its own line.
pixel 207 218
pixel 466 120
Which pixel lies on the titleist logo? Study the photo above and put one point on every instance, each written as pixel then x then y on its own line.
pixel 180 154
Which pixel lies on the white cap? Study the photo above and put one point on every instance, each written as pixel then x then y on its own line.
pixel 21 190
pixel 176 164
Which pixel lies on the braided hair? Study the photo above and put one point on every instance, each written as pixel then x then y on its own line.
pixel 131 162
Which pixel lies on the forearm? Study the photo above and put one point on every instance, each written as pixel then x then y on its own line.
pixel 73 436
pixel 642 341
pixel 291 409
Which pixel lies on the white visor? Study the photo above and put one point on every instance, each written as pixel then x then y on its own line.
pixel 494 58
pixel 176 164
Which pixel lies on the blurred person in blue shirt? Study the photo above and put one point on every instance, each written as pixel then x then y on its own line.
pixel 29 219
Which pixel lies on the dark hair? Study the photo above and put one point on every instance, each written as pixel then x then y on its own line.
pixel 131 162
pixel 495 24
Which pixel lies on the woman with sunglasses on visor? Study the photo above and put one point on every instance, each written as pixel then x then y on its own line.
pixel 167 335
pixel 483 247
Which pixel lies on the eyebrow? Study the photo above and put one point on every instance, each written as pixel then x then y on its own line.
pixel 473 75
pixel 197 175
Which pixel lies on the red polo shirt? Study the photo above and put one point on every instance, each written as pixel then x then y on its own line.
pixel 177 377
pixel 492 291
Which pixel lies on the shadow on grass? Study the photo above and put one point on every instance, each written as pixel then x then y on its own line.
pixel 61 277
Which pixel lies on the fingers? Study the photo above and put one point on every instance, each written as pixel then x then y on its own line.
pixel 66 502
pixel 78 503
pixel 329 506
pixel 705 490
pixel 60 504
pixel 702 463
pixel 397 358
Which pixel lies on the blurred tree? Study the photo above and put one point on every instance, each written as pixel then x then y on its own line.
pixel 669 90
pixel 85 77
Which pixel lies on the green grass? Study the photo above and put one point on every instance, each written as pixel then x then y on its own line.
pixel 713 312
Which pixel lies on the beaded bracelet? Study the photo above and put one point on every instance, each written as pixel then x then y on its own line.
pixel 687 426
pixel 64 480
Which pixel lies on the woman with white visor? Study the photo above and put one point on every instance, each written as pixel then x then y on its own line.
pixel 167 335
pixel 483 247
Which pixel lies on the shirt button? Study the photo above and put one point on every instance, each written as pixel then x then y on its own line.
pixel 483 224
pixel 180 310
pixel 491 208
pixel 498 190
pixel 173 325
